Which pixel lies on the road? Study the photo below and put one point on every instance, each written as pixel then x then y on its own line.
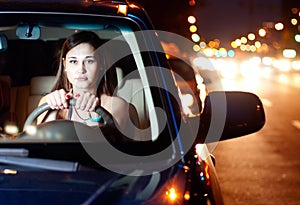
pixel 264 168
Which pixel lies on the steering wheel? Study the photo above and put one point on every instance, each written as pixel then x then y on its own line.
pixel 106 116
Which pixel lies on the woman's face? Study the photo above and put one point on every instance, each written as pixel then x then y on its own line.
pixel 82 68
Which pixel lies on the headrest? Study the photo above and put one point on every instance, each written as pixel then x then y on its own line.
pixel 41 85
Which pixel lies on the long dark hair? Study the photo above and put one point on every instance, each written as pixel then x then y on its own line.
pixel 107 83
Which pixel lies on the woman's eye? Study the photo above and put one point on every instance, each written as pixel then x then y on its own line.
pixel 90 61
pixel 72 61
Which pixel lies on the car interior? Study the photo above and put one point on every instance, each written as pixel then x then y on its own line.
pixel 28 68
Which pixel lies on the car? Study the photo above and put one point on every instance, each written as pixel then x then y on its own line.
pixel 165 160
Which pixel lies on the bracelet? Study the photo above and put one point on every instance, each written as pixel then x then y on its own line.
pixel 97 119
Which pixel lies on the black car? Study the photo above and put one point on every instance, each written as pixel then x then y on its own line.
pixel 163 161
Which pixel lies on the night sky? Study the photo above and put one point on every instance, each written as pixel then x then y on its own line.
pixel 222 19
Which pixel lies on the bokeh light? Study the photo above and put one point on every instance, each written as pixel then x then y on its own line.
pixel 262 32
pixel 257 44
pixel 251 36
pixel 196 48
pixel 289 53
pixel 294 21
pixel 244 40
pixel 192 19
pixel 297 38
pixel 279 26
pixel 202 44
pixel 195 37
pixel 193 28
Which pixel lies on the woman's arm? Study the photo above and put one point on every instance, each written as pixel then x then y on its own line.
pixel 51 114
pixel 123 112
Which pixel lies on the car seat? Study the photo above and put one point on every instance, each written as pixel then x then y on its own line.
pixel 39 87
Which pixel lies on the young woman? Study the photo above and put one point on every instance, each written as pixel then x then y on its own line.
pixel 82 75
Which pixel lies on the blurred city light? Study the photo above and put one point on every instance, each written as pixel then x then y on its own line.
pixel 251 36
pixel 231 53
pixel 296 65
pixel 244 40
pixel 196 48
pixel 252 48
pixel 202 44
pixel 217 43
pixel 211 44
pixel 195 37
pixel 294 10
pixel 279 26
pixel 192 19
pixel 193 28
pixel 266 42
pixel 267 61
pixel 243 48
pixel 297 38
pixel 257 44
pixel 209 52
pixel 192 2
pixel 233 44
pixel 223 52
pixel 238 42
pixel 11 129
pixel 171 194
pixel 250 68
pixel 289 53
pixel 294 21
pixel 227 68
pixel 262 32
pixel 282 65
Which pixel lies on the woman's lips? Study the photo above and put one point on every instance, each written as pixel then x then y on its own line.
pixel 81 78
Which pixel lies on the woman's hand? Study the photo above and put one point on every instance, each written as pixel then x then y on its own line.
pixel 86 101
pixel 57 99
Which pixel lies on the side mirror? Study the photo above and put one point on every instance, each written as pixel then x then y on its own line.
pixel 230 114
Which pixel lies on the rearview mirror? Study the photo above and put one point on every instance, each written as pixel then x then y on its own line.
pixel 230 114
pixel 28 31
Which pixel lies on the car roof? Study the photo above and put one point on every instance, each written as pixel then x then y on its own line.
pixel 104 7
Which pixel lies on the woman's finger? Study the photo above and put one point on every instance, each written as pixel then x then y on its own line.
pixel 56 99
pixel 95 104
pixel 89 99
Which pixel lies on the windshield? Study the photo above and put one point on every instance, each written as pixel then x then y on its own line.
pixel 31 57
